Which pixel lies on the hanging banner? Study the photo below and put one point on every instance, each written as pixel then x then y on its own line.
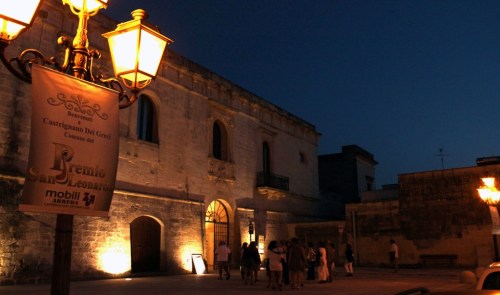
pixel 74 146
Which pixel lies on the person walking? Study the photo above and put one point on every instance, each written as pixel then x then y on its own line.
pixel 322 263
pixel 349 259
pixel 275 257
pixel 311 262
pixel 394 254
pixel 296 263
pixel 223 254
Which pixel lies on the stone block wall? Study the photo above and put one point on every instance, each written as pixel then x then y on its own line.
pixel 437 213
pixel 27 239
pixel 452 189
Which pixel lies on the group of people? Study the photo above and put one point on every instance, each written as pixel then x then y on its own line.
pixel 286 262
pixel 250 262
pixel 321 261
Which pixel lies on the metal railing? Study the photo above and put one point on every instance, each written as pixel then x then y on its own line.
pixel 272 180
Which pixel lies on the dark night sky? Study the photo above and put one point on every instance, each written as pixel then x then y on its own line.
pixel 399 78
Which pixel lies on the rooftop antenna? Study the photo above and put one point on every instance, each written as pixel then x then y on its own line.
pixel 441 154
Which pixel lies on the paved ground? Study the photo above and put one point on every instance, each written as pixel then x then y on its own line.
pixel 365 281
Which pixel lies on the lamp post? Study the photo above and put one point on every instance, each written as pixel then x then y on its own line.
pixel 136 48
pixel 491 196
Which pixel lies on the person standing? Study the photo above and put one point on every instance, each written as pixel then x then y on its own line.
pixel 330 254
pixel 275 258
pixel 322 263
pixel 284 246
pixel 296 263
pixel 223 254
pixel 268 272
pixel 394 254
pixel 349 258
pixel 244 246
pixel 311 262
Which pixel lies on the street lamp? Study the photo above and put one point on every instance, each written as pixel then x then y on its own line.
pixel 488 192
pixel 136 42
pixel 491 196
pixel 136 47
pixel 90 6
pixel 137 64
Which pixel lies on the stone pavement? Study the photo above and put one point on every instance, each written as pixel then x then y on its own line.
pixel 365 281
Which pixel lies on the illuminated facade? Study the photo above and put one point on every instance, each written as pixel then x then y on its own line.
pixel 200 158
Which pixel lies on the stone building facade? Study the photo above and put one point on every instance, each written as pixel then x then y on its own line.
pixel 345 176
pixel 437 218
pixel 199 159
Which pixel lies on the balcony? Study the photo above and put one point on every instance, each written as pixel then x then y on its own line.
pixel 220 170
pixel 270 180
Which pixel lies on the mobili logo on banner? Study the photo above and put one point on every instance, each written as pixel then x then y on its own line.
pixel 74 146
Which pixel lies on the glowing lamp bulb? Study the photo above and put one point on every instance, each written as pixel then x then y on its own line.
pixel 488 192
pixel 136 51
pixel 88 6
pixel 15 18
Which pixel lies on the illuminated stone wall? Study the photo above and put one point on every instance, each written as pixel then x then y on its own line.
pixel 26 242
pixel 100 245
pixel 172 181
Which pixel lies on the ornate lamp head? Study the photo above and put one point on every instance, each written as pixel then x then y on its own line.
pixel 15 19
pixel 488 192
pixel 136 51
pixel 88 6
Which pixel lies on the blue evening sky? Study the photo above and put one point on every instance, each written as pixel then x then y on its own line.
pixel 401 79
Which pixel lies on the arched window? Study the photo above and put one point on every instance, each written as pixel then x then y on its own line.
pixel 217 213
pixel 219 142
pixel 147 120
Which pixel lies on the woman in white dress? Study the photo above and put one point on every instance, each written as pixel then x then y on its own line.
pixel 322 263
pixel 275 257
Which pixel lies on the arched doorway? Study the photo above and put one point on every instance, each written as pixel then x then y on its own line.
pixel 216 229
pixel 145 236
